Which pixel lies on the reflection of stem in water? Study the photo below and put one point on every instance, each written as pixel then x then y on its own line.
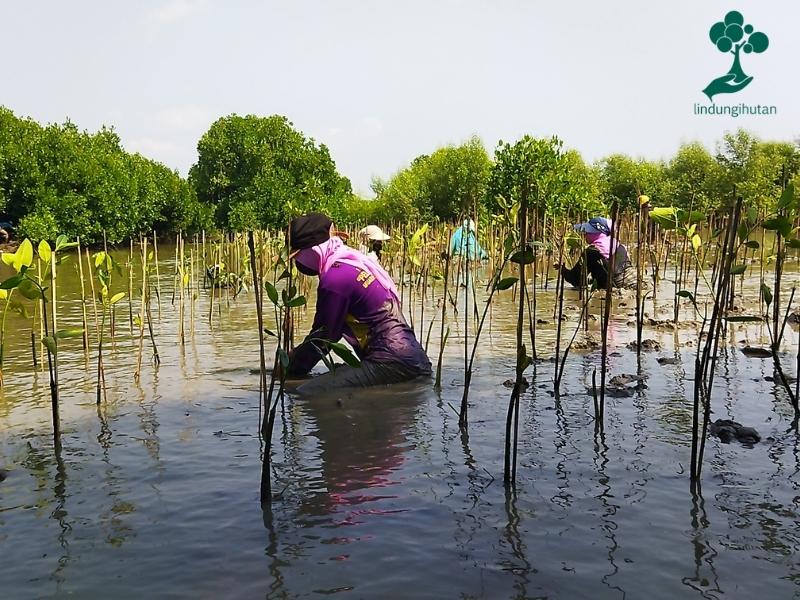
pixel 60 515
pixel 277 587
pixel 523 568
pixel 702 552
pixel 609 526
pixel 561 439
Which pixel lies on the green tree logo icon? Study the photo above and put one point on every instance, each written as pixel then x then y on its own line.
pixel 732 35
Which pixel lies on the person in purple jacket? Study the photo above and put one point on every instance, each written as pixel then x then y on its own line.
pixel 358 301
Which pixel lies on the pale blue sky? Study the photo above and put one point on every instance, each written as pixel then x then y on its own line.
pixel 381 82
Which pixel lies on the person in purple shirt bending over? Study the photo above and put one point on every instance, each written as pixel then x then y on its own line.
pixel 358 301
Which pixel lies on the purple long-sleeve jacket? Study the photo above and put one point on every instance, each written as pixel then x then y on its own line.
pixel 351 304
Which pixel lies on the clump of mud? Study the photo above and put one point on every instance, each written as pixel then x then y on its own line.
pixel 648 345
pixel 624 385
pixel 727 431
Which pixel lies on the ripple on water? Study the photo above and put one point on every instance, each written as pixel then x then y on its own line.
pixel 155 493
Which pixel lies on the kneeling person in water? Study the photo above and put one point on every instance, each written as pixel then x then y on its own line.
pixel 597 257
pixel 358 301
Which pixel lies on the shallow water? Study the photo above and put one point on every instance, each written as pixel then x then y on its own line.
pixel 155 493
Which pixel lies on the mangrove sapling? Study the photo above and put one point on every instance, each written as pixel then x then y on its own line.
pixel 183 280
pixel 94 303
pixel 34 289
pixel 766 298
pixel 175 276
pixel 84 322
pixel 260 317
pixel 640 224
pixel 560 360
pixel 130 287
pixel 559 314
pixel 707 350
pixel 283 304
pixel 141 317
pixel 561 363
pixel 442 334
pixel 158 274
pixel 20 260
pixel 190 286
pixel 606 316
pixel 497 283
pixel 103 266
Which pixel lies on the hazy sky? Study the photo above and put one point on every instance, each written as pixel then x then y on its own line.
pixel 381 82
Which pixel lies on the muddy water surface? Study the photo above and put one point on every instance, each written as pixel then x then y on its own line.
pixel 155 493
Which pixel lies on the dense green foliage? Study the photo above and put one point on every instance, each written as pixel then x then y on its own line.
pixel 531 170
pixel 57 179
pixel 259 171
pixel 444 185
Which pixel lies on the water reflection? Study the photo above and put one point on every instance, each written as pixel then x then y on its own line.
pixel 59 514
pixel 609 510
pixel 383 495
pixel 362 444
pixel 704 579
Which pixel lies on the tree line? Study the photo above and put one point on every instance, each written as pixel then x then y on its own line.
pixel 256 172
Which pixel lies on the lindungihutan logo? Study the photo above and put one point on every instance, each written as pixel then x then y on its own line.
pixel 733 36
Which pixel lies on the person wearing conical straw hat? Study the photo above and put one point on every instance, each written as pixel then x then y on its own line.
pixel 597 257
pixel 372 238
pixel 358 301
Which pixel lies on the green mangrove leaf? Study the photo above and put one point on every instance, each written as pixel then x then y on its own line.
pixel 283 356
pixel 523 257
pixel 780 224
pixel 738 269
pixel 344 353
pixel 12 282
pixel 29 290
pixel 295 302
pixel 69 333
pixel 743 232
pixel 50 343
pixel 99 258
pixel 19 308
pixel 752 244
pixel 272 293
pixel 63 244
pixel 271 333
pixel 116 297
pixel 506 283
pixel 696 242
pixel 665 217
pixel 508 244
pixel 24 255
pixel 8 258
pixel 44 251
pixel 766 294
pixel 787 197
pixel 687 294
pixel 793 243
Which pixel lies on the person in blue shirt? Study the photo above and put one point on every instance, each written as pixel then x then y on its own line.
pixel 465 242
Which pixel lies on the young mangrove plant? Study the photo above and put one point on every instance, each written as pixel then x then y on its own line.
pixel 497 283
pixel 104 264
pixel 35 288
